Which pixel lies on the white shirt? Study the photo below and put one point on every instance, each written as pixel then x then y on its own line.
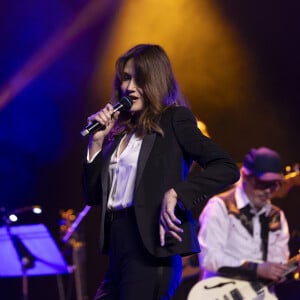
pixel 224 241
pixel 122 174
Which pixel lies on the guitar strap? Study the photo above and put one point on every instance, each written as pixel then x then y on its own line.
pixel 269 224
pixel 264 233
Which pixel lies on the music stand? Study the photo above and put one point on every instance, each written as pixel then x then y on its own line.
pixel 29 250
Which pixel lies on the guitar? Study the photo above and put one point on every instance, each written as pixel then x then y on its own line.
pixel 224 288
pixel 291 179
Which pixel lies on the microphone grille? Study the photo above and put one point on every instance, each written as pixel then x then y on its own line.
pixel 126 101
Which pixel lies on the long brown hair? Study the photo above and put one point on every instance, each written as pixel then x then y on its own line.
pixel 154 75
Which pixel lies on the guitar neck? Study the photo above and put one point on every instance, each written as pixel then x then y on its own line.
pixel 292 264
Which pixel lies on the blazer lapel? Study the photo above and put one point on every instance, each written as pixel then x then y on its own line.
pixel 146 147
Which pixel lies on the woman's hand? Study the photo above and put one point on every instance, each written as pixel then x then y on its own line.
pixel 106 117
pixel 168 222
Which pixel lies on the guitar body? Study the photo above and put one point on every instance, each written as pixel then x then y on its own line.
pixel 223 288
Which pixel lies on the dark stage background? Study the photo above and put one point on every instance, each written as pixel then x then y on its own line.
pixel 237 63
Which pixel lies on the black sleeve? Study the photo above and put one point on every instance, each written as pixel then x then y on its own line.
pixel 246 271
pixel 218 170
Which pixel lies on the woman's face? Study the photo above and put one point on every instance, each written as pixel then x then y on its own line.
pixel 129 87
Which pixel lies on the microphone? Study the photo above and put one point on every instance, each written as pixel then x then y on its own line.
pixel 124 104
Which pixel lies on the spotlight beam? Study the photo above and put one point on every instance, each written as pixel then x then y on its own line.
pixel 92 13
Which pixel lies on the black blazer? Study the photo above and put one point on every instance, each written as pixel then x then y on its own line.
pixel 163 164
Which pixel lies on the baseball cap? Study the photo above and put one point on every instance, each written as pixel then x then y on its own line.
pixel 264 163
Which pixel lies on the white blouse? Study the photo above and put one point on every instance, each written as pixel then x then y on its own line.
pixel 122 174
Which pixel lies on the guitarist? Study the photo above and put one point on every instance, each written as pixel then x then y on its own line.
pixel 242 234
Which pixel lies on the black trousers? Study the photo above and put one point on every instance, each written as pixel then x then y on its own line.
pixel 133 274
